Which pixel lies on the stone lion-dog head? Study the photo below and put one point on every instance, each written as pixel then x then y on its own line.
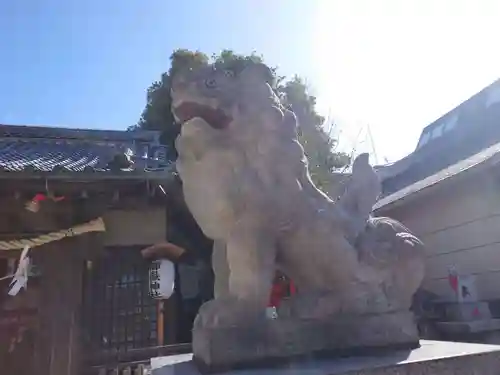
pixel 236 143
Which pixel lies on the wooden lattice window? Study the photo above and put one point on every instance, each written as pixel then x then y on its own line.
pixel 119 313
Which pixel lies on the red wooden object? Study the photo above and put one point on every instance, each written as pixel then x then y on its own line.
pixel 279 290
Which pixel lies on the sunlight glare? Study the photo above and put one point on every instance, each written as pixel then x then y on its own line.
pixel 399 65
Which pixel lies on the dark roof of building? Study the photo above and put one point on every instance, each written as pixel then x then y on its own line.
pixel 29 151
pixel 477 97
pixel 490 155
pixel 465 131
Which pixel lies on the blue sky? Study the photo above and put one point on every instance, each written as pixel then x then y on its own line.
pixel 393 65
pixel 88 63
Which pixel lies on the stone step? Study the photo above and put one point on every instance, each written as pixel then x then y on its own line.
pixel 466 311
pixel 475 326
pixel 432 358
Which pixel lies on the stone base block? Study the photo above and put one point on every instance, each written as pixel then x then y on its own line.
pixel 431 358
pixel 271 341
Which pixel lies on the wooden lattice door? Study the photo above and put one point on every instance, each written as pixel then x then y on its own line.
pixel 119 314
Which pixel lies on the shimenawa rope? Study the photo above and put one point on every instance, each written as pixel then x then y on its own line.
pixel 96 225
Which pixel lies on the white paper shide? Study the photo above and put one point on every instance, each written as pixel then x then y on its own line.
pixel 20 279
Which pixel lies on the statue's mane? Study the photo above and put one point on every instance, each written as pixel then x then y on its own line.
pixel 271 146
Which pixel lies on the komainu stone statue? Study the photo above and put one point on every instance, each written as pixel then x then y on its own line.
pixel 245 179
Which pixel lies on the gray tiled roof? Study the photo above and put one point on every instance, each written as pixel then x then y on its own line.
pixel 58 150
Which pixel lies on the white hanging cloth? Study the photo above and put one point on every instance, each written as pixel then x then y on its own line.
pixel 20 279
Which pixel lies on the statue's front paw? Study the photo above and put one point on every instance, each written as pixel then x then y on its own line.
pixel 222 312
pixel 210 314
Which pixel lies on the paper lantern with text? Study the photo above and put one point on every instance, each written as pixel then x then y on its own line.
pixel 161 279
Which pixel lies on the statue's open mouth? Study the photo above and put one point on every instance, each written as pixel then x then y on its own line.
pixel 216 118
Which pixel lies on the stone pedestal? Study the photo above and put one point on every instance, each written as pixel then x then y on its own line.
pixel 432 358
pixel 271 341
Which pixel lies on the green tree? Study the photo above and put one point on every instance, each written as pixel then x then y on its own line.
pixel 319 146
pixel 157 114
